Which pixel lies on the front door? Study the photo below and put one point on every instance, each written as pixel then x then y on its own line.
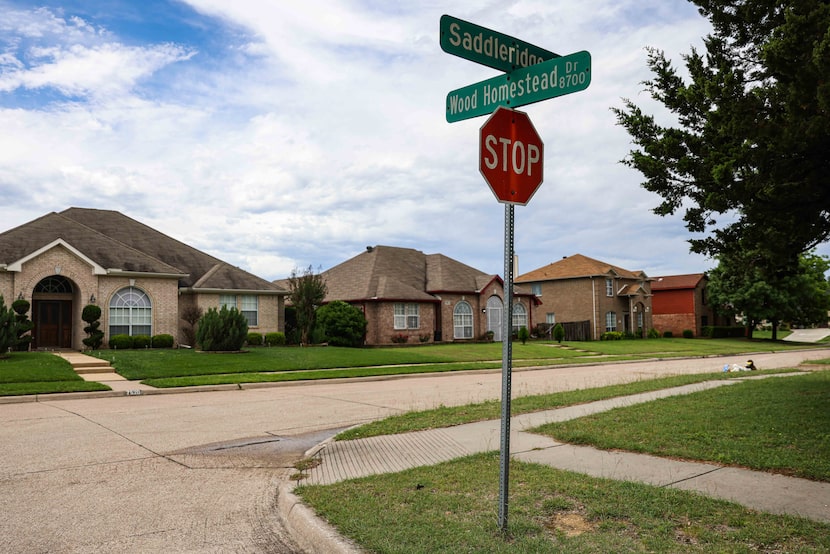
pixel 53 323
pixel 495 308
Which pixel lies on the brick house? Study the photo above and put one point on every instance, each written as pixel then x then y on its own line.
pixel 596 296
pixel 141 278
pixel 680 303
pixel 425 297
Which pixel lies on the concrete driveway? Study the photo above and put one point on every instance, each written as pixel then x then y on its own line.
pixel 198 471
pixel 807 335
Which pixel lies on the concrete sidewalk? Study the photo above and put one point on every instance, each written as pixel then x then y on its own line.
pixel 758 490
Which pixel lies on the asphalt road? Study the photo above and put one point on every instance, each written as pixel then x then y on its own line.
pixel 198 471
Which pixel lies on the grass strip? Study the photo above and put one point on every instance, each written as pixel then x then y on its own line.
pixel 776 424
pixel 451 507
pixel 48 387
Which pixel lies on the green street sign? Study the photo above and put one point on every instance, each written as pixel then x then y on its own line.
pixel 549 79
pixel 487 47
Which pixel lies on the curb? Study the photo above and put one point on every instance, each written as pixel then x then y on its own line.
pixel 308 530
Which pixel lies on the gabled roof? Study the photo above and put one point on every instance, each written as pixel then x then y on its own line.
pixel 576 266
pixel 392 273
pixel 674 282
pixel 115 243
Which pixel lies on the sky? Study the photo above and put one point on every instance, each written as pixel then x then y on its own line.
pixel 280 135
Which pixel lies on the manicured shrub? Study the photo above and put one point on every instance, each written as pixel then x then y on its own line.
pixel 91 314
pixel 162 341
pixel 342 324
pixel 611 335
pixel 524 334
pixel 668 334
pixel 559 332
pixel 222 330
pixel 24 324
pixel 142 341
pixel 688 334
pixel 121 342
pixel 400 338
pixel 721 332
pixel 254 339
pixel 274 339
pixel 424 337
pixel 8 329
pixel 654 333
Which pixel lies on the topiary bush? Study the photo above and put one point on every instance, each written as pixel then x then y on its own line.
pixel 274 339
pixel 254 339
pixel 91 314
pixel 24 324
pixel 342 324
pixel 142 341
pixel 222 330
pixel 688 334
pixel 8 329
pixel 558 332
pixel 524 334
pixel 162 341
pixel 121 342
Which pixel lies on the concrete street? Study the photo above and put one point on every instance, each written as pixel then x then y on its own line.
pixel 199 471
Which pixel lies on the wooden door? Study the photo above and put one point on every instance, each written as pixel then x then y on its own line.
pixel 53 323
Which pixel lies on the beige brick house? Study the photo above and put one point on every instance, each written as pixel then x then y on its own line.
pixel 141 278
pixel 424 297
pixel 578 290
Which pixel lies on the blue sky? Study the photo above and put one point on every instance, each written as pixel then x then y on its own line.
pixel 278 135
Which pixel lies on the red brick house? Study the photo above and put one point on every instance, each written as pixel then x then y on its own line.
pixel 599 296
pixel 679 303
pixel 424 297
pixel 141 278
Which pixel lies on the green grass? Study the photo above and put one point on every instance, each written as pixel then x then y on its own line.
pixel 25 373
pixel 267 364
pixel 452 507
pixel 776 424
pixel 445 416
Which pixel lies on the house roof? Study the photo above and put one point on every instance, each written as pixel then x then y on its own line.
pixel 576 266
pixel 674 282
pixel 115 243
pixel 393 273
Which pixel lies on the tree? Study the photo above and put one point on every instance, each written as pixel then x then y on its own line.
pixel 94 336
pixel 558 332
pixel 223 330
pixel 191 315
pixel 8 329
pixel 747 159
pixel 342 324
pixel 308 290
pixel 24 324
pixel 738 287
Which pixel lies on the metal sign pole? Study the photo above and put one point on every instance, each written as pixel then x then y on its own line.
pixel 506 365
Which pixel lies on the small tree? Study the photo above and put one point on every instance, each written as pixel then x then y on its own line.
pixel 558 332
pixel 8 329
pixel 24 324
pixel 94 336
pixel 308 290
pixel 342 324
pixel 191 315
pixel 224 330
pixel 524 334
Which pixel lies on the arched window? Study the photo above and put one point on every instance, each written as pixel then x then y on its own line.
pixel 54 284
pixel 462 321
pixel 519 316
pixel 131 313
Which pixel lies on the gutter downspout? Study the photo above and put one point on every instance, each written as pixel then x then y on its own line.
pixel 594 309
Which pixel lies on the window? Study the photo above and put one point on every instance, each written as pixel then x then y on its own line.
pixel 611 321
pixel 639 320
pixel 550 318
pixel 519 316
pixel 462 321
pixel 407 316
pixel 609 287
pixel 247 304
pixel 536 288
pixel 131 313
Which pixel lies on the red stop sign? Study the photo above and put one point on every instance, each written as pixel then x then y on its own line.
pixel 511 156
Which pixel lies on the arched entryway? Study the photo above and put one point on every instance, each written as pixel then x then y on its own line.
pixel 495 310
pixel 52 306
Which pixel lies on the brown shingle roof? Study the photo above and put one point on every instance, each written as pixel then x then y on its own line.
pixel 392 273
pixel 577 266
pixel 669 282
pixel 114 241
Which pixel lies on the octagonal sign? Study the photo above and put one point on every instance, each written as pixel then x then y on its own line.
pixel 511 156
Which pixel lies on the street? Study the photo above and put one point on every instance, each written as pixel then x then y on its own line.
pixel 198 471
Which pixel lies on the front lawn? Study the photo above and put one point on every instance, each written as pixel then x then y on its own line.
pixel 40 373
